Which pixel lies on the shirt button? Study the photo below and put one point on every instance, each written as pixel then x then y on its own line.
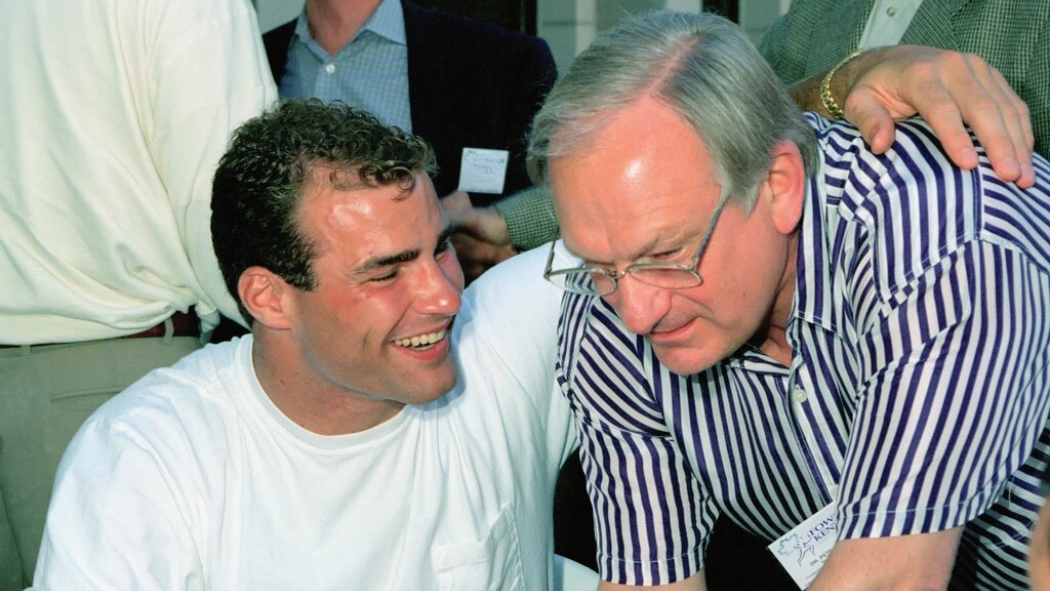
pixel 799 395
pixel 891 11
pixel 330 68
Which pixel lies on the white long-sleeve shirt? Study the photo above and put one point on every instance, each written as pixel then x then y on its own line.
pixel 113 116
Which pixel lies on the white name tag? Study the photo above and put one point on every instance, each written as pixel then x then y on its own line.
pixel 483 171
pixel 803 550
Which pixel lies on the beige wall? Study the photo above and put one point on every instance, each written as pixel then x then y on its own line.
pixel 276 12
pixel 569 26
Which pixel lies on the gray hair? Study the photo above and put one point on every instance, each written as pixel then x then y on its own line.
pixel 701 66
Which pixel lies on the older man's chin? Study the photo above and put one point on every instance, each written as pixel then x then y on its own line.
pixel 691 359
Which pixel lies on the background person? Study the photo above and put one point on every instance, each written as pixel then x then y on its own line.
pixel 114 114
pixel 457 82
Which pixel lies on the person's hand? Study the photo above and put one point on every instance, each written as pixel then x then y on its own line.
pixel 481 238
pixel 949 90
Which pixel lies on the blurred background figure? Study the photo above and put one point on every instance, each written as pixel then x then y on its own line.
pixel 462 84
pixel 114 115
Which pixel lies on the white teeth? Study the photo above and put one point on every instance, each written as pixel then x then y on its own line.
pixel 420 341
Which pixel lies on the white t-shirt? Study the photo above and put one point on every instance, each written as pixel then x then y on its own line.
pixel 113 116
pixel 193 479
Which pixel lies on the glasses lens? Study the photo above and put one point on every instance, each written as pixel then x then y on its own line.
pixel 582 281
pixel 666 277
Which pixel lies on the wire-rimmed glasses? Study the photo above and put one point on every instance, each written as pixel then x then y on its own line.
pixel 599 281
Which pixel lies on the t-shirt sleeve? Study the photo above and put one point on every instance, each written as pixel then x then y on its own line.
pixel 116 520
pixel 508 342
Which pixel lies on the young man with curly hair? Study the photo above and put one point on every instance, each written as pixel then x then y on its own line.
pixel 339 445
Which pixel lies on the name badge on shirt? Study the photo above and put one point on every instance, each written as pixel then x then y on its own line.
pixel 483 171
pixel 803 550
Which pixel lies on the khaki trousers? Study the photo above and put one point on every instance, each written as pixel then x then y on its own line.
pixel 46 393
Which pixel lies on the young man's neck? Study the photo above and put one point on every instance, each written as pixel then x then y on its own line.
pixel 316 406
pixel 334 23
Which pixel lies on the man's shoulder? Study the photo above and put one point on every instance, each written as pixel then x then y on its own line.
pixel 914 175
pixel 174 399
pixel 915 182
pixel 899 214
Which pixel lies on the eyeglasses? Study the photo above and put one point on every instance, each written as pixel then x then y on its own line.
pixel 598 281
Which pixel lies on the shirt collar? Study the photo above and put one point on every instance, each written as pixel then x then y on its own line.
pixel 388 21
pixel 815 300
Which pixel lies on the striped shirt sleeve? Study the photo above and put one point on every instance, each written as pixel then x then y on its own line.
pixel 955 397
pixel 953 343
pixel 652 517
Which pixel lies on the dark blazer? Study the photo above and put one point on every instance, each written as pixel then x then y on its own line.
pixel 471 84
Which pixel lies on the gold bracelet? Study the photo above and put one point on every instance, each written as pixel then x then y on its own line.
pixel 826 97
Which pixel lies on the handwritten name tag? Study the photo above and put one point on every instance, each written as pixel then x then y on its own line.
pixel 483 171
pixel 803 550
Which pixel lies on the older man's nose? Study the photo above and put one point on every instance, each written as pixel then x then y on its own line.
pixel 640 306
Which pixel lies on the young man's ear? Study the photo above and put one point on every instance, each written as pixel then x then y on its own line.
pixel 785 185
pixel 266 297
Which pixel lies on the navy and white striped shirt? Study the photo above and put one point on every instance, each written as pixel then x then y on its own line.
pixel 917 396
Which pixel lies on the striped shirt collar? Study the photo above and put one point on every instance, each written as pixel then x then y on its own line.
pixel 814 297
pixel 388 22
pixel 814 292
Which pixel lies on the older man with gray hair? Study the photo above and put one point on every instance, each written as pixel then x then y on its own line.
pixel 773 323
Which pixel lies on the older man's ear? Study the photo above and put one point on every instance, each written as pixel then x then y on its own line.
pixel 785 186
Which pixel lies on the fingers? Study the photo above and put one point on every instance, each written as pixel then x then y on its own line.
pixel 476 256
pixel 456 201
pixel 872 119
pixel 935 102
pixel 481 223
pixel 1008 139
pixel 988 109
pixel 481 239
pixel 949 90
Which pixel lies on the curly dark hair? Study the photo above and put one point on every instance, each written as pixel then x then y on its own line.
pixel 259 181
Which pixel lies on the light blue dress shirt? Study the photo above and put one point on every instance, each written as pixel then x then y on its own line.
pixel 370 72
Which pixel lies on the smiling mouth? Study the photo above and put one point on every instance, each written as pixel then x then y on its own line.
pixel 421 342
